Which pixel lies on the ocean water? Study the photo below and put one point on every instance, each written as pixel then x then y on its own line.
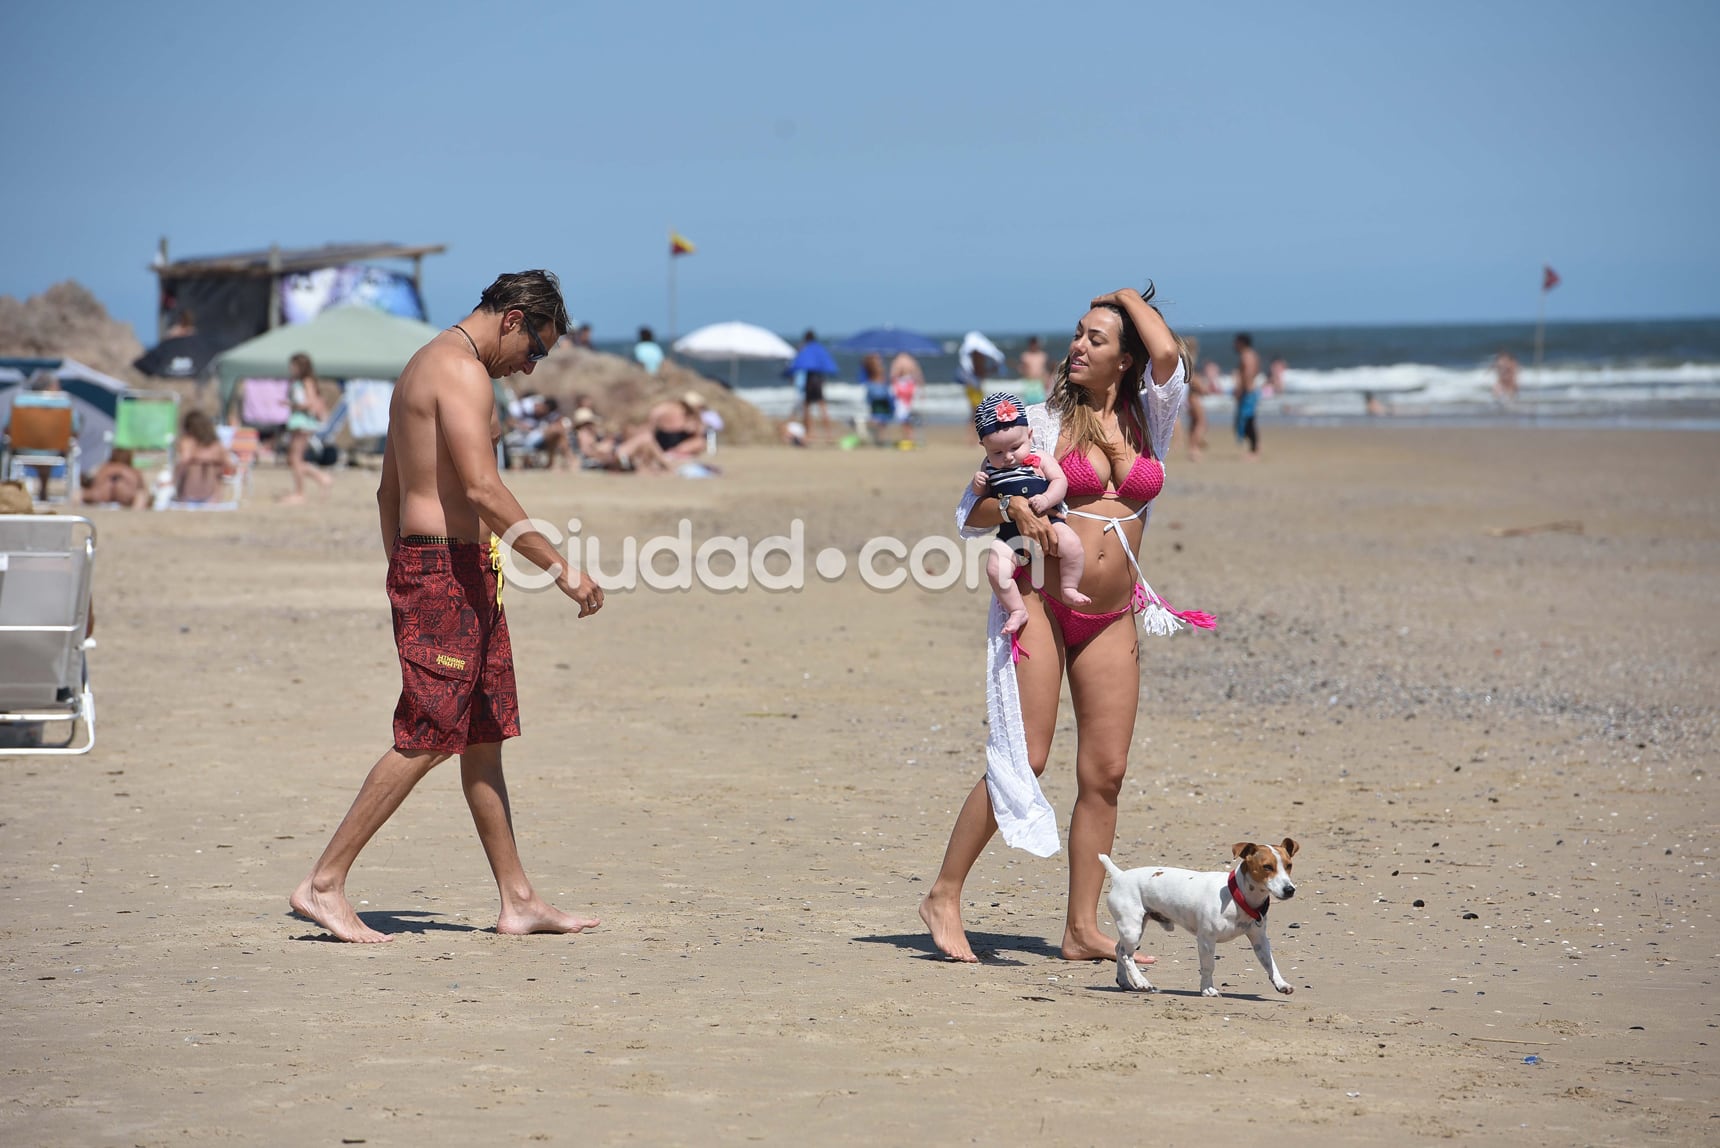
pixel 1637 372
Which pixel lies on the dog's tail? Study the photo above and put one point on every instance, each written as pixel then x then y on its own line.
pixel 1109 867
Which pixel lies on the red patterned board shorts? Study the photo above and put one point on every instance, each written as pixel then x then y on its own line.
pixel 456 663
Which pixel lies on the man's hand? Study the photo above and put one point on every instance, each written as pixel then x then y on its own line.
pixel 1034 528
pixel 980 485
pixel 587 593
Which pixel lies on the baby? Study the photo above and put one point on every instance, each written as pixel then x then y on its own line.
pixel 1010 471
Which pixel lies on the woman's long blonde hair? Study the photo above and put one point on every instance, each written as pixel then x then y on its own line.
pixel 1075 406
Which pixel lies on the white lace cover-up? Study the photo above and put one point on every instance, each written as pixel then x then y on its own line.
pixel 1024 817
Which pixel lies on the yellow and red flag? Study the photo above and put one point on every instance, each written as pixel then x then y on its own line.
pixel 680 245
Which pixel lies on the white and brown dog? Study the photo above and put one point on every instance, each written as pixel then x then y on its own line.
pixel 1213 906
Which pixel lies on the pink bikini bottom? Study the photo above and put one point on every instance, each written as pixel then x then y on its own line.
pixel 1077 628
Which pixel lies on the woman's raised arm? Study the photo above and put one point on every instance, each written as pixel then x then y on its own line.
pixel 1161 344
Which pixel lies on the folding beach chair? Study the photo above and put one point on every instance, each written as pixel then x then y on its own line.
pixel 146 424
pixel 323 450
pixel 46 562
pixel 244 443
pixel 40 435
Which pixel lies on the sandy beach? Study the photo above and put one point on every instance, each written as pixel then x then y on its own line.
pixel 1495 752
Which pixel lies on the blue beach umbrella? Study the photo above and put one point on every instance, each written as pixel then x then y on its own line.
pixel 814 357
pixel 890 341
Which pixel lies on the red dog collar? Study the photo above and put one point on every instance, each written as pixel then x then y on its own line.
pixel 1242 902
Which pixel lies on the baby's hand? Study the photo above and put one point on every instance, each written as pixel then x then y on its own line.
pixel 980 483
pixel 1040 504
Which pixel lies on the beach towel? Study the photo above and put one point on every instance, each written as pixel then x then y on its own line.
pixel 367 407
pixel 1024 817
pixel 265 403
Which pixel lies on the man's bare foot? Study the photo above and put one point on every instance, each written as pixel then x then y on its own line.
pixel 944 918
pixel 333 912
pixel 541 917
pixel 1099 948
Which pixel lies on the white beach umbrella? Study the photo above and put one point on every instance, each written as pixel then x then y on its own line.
pixel 974 341
pixel 734 342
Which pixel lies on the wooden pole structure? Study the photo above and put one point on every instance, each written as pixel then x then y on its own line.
pixel 160 312
pixel 274 285
pixel 1540 329
pixel 671 339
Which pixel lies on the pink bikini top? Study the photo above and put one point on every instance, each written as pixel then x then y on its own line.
pixel 1145 479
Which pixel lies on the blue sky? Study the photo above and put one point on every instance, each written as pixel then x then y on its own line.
pixel 940 165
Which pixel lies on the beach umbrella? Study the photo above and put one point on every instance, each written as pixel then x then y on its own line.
pixel 814 357
pixel 345 342
pixel 890 341
pixel 974 341
pixel 181 357
pixel 734 342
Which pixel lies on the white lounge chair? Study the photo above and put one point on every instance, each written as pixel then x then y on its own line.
pixel 46 563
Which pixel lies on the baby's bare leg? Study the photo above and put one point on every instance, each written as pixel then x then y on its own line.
pixel 1000 568
pixel 1072 562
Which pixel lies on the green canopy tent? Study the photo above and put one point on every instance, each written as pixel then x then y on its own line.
pixel 343 343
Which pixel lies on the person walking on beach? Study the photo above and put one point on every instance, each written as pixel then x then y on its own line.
pixel 906 379
pixel 1031 363
pixel 308 412
pixel 646 352
pixel 880 403
pixel 810 382
pixel 440 495
pixel 1275 368
pixel 1197 392
pixel 1247 394
pixel 972 376
pixel 1109 419
pixel 1505 376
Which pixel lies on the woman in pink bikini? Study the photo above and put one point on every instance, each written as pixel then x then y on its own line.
pixel 1108 420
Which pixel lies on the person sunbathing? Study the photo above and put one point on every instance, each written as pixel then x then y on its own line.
pixel 595 449
pixel 674 433
pixel 535 423
pixel 116 482
pixel 199 461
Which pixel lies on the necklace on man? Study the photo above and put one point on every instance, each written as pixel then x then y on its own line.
pixel 462 331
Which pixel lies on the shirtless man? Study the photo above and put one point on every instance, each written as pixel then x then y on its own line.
pixel 1032 363
pixel 440 497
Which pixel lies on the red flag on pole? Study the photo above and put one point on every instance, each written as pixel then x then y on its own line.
pixel 680 244
pixel 1549 278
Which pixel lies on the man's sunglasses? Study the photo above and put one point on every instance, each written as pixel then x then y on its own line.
pixel 537 353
